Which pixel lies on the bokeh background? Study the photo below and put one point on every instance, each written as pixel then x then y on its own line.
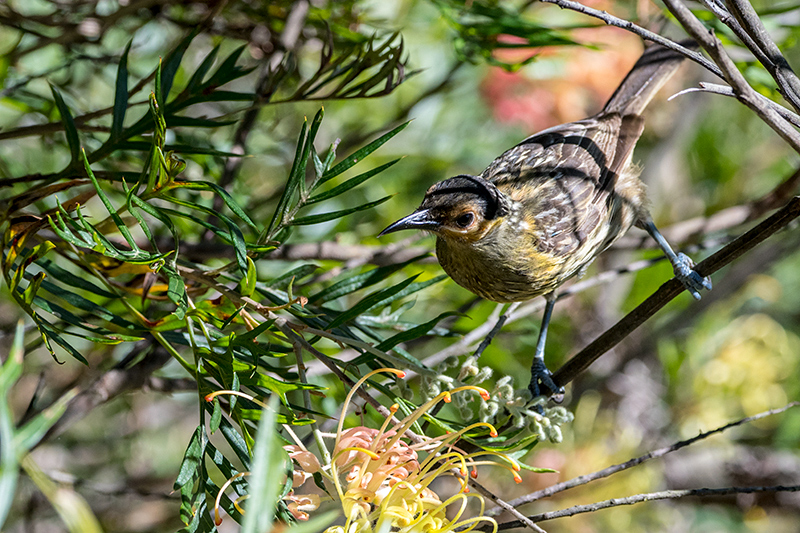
pixel 693 367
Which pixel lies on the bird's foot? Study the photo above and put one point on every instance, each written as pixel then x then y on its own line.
pixel 542 383
pixel 685 272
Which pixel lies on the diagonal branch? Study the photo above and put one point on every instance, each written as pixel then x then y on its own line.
pixel 668 291
pixel 647 497
pixel 661 452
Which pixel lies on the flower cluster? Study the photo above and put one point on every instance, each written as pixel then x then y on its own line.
pixel 382 477
pixel 534 413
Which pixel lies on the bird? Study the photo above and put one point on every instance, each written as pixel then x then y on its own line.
pixel 541 212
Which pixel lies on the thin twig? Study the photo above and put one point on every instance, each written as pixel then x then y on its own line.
pixel 611 20
pixel 583 480
pixel 638 498
pixel 774 62
pixel 744 92
pixel 724 90
pixel 301 371
pixel 498 325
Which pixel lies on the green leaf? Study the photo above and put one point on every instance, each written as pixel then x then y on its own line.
pixel 190 466
pixel 121 226
pixel 120 95
pixel 222 193
pixel 358 155
pixel 359 281
pixel 266 475
pixel 202 70
pixel 69 126
pixel 171 65
pixel 413 333
pixel 297 175
pixel 333 215
pixel 216 417
pixel 35 429
pixel 70 279
pixel 10 372
pixel 351 183
pixel 370 301
pixel 176 291
pixel 49 332
pixel 298 273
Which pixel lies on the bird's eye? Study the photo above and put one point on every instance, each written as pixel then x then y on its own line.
pixel 465 220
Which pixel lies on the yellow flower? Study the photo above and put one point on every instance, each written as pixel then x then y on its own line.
pixel 381 477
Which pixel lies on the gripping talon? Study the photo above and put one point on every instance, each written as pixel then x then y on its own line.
pixel 542 381
pixel 683 267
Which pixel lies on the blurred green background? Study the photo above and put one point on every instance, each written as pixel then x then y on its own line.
pixel 694 367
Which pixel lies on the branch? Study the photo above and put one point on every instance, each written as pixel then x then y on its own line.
pixel 638 498
pixel 668 291
pixel 611 20
pixel 744 92
pixel 583 480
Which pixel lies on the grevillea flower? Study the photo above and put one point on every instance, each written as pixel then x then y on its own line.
pixel 382 477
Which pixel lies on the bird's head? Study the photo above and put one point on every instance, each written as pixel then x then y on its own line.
pixel 463 208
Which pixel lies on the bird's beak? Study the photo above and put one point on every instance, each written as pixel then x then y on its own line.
pixel 417 220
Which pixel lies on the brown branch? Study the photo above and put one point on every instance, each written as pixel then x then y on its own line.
pixel 611 20
pixel 661 452
pixel 744 92
pixel 774 62
pixel 668 291
pixel 638 498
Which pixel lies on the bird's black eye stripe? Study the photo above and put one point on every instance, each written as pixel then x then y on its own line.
pixel 465 219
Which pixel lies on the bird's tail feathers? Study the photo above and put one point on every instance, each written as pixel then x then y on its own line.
pixel 647 76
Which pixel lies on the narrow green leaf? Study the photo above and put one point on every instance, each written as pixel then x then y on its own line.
pixel 171 65
pixel 351 183
pixel 216 417
pixel 49 332
pixel 414 287
pixel 123 229
pixel 35 429
pixel 291 185
pixel 8 452
pixel 190 466
pixel 70 279
pixel 222 193
pixel 69 126
pixel 412 333
pixel 360 154
pixel 176 291
pixel 359 281
pixel 297 274
pixel 266 475
pixel 370 301
pixel 227 70
pixel 120 95
pixel 84 304
pixel 333 215
pixel 202 70
pixel 236 442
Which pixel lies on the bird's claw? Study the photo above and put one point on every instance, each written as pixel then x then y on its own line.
pixel 694 282
pixel 542 382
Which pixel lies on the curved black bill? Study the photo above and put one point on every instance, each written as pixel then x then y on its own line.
pixel 416 220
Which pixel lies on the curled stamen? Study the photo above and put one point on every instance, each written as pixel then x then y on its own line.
pixel 217 517
pixel 399 373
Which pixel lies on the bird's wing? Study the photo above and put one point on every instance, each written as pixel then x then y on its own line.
pixel 563 176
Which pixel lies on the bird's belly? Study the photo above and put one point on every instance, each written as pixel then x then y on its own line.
pixel 496 279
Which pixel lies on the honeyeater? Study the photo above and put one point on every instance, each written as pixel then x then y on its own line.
pixel 543 210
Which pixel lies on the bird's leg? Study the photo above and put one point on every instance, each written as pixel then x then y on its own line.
pixel 682 264
pixel 541 377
